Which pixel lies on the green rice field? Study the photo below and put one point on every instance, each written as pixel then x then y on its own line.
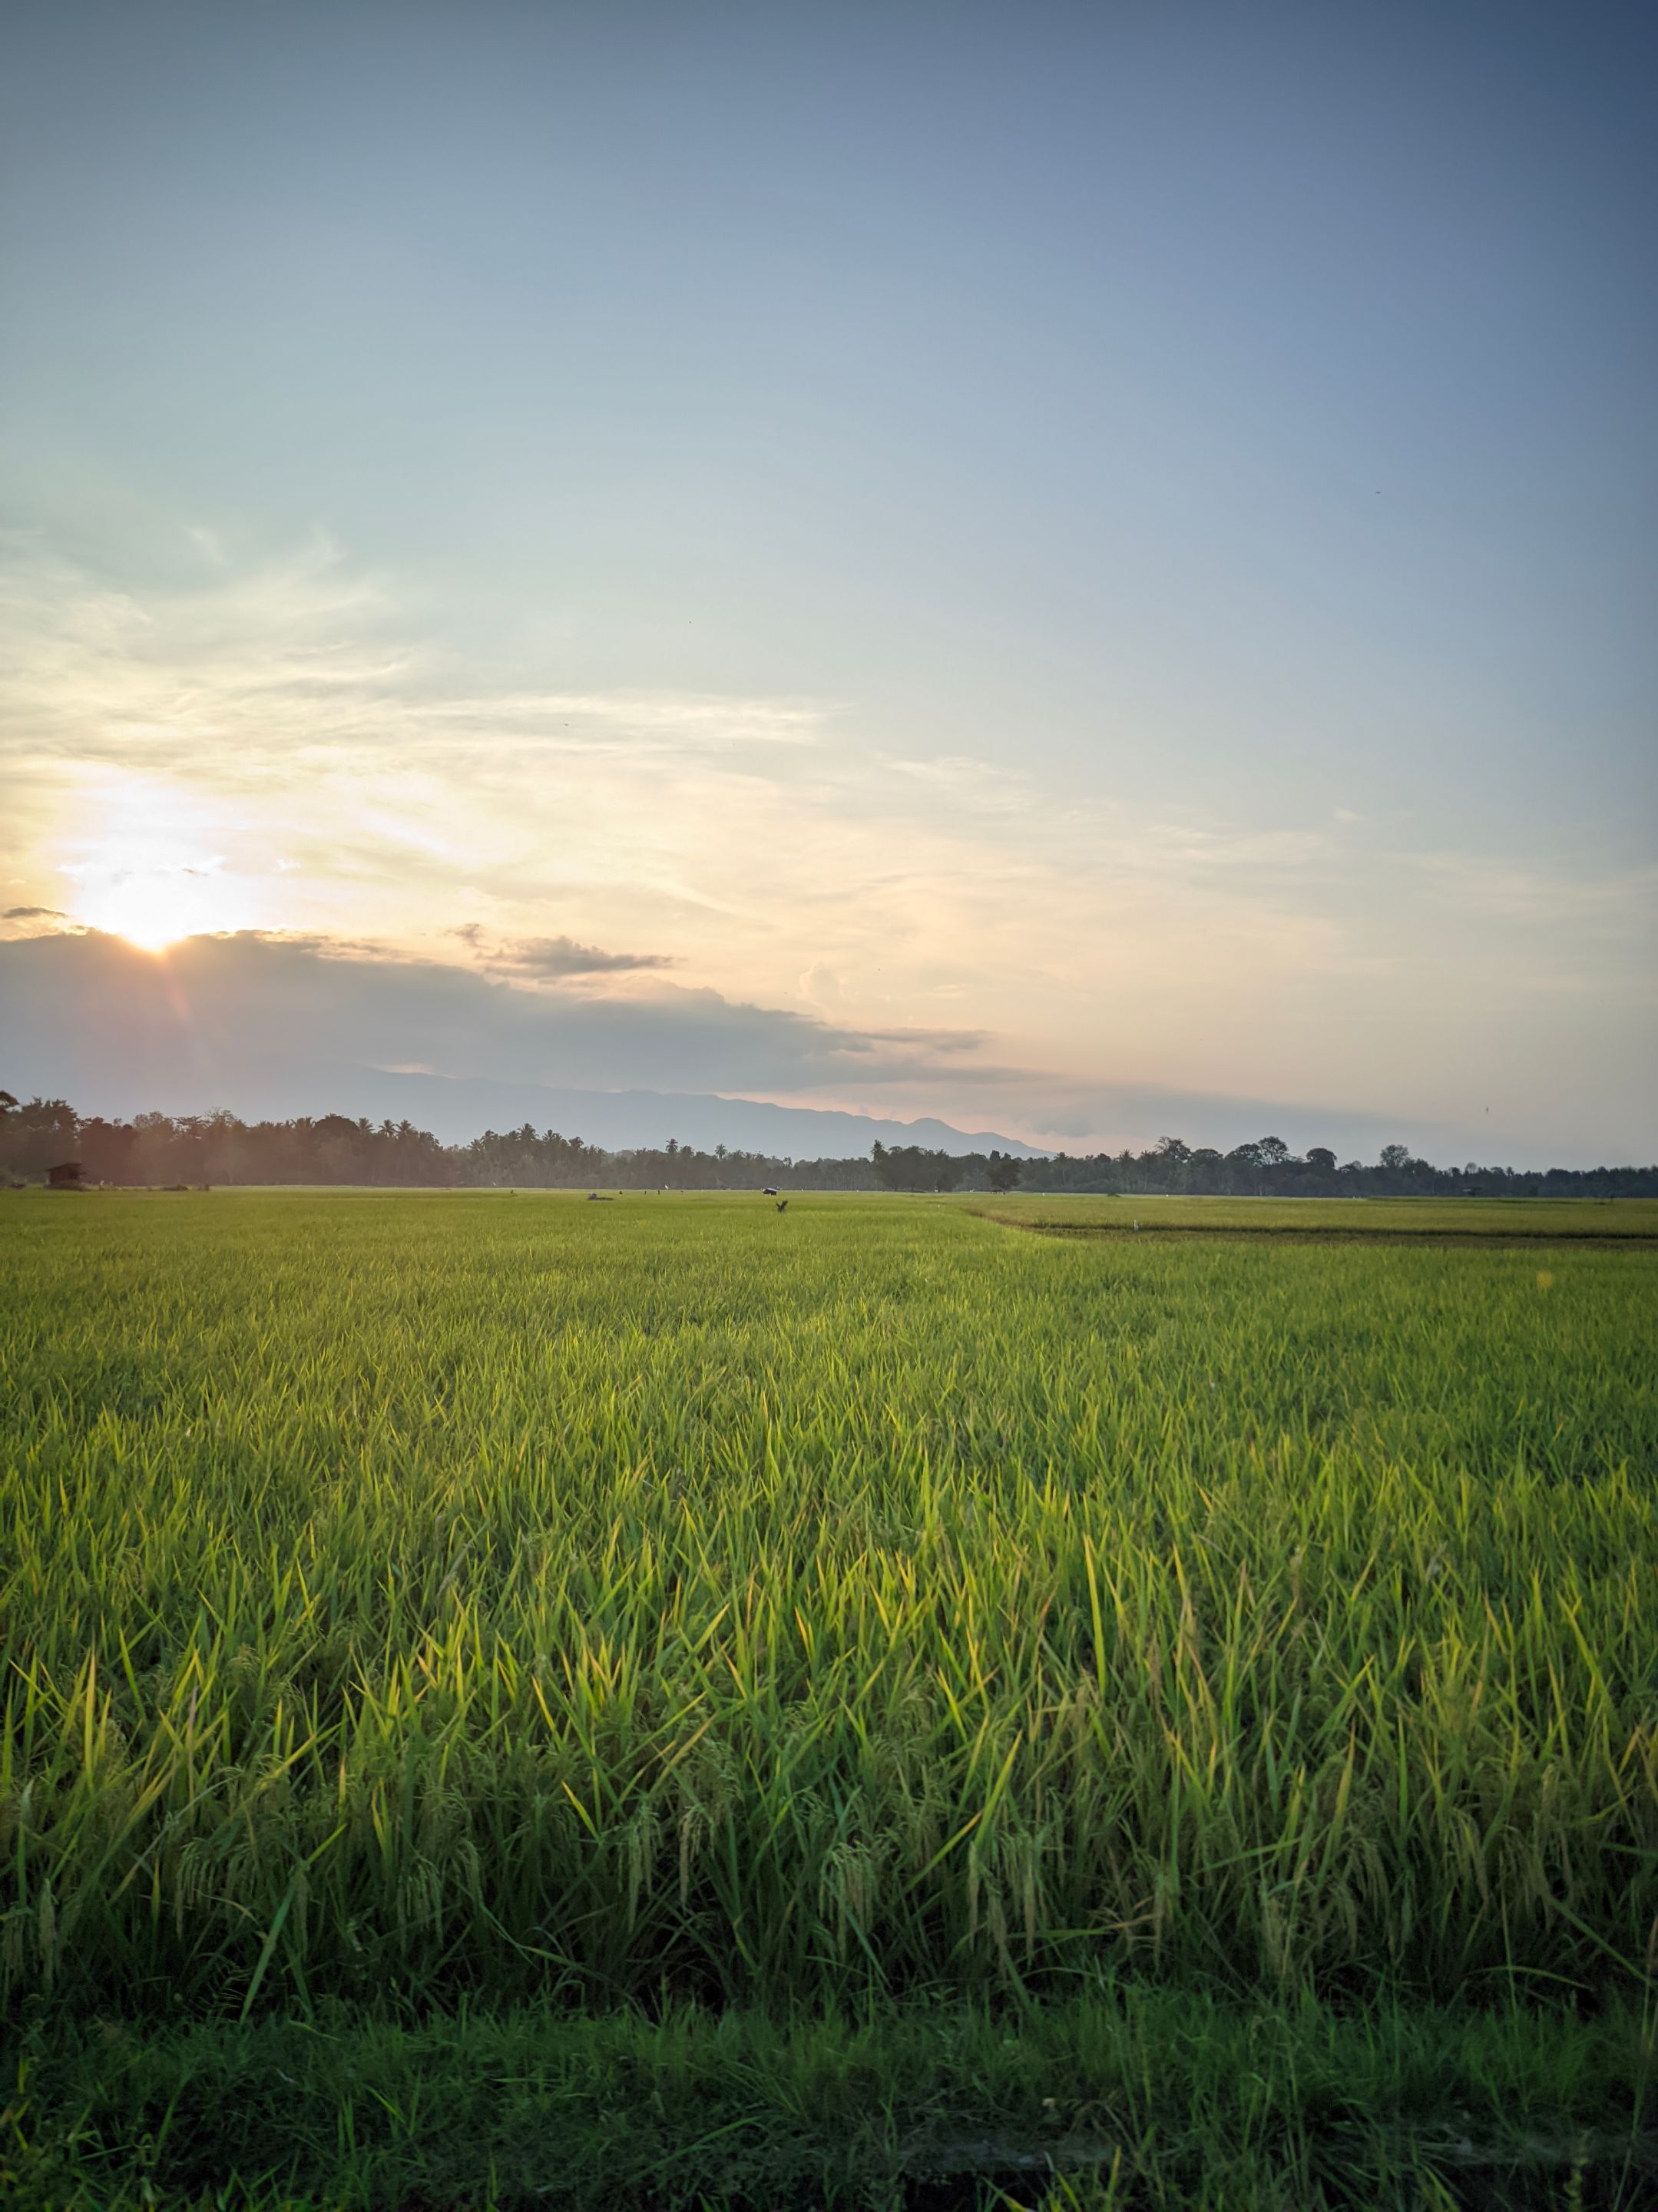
pixel 923 1643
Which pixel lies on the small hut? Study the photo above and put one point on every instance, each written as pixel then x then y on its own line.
pixel 68 1176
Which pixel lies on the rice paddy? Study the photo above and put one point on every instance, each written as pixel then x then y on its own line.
pixel 414 1603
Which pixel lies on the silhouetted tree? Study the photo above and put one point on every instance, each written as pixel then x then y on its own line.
pixel 913 1167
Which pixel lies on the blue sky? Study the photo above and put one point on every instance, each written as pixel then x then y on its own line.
pixel 1115 544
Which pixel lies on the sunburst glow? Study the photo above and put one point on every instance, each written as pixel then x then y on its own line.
pixel 146 868
pixel 155 908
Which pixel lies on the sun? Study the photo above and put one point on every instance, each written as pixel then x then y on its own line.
pixel 151 863
pixel 149 911
pixel 154 907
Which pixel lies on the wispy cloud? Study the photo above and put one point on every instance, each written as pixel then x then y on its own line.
pixel 1617 902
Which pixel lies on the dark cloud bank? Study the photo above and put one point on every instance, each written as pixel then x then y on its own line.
pixel 276 1026
pixel 283 1025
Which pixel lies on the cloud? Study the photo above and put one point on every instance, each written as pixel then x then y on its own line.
pixel 218 1017
pixel 33 913
pixel 549 958
pixel 958 924
pixel 268 1026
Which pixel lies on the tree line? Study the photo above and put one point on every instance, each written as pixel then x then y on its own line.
pixel 1267 1168
pixel 170 1151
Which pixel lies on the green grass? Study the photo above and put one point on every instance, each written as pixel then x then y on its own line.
pixel 415 1603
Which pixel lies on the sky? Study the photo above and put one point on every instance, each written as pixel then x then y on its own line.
pixel 1083 570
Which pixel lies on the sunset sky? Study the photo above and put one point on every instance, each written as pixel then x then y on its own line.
pixel 1060 566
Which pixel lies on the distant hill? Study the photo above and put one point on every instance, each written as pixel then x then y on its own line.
pixel 456 1108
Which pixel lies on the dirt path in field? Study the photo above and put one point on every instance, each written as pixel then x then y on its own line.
pixel 1234 1232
